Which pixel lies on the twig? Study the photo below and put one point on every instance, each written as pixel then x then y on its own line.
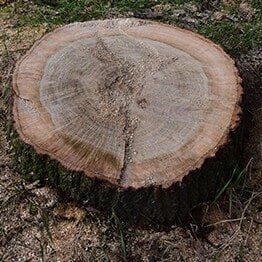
pixel 226 221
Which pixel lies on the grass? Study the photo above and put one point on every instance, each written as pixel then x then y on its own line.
pixel 120 230
pixel 235 38
pixel 234 181
pixel 235 33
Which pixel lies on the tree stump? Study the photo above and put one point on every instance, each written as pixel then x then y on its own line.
pixel 139 105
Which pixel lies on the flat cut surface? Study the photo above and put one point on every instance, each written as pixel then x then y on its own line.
pixel 133 102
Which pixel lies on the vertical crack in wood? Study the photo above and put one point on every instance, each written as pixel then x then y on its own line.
pixel 123 82
pixel 117 92
pixel 128 136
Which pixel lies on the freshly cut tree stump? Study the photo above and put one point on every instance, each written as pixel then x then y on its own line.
pixel 138 104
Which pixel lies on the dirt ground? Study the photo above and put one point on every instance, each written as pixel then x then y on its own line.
pixel 37 225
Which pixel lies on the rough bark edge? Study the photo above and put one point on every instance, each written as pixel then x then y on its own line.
pixel 224 140
pixel 147 207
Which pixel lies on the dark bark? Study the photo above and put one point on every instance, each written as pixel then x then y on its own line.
pixel 153 206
